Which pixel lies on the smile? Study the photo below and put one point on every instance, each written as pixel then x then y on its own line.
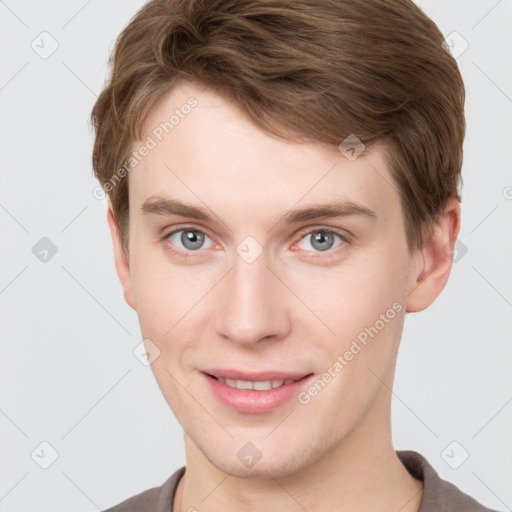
pixel 256 396
pixel 255 385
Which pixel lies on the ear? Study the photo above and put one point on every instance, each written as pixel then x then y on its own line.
pixel 121 261
pixel 434 261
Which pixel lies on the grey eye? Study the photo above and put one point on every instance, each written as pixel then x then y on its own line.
pixel 190 239
pixel 321 240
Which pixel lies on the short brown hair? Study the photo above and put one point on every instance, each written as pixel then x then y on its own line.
pixel 321 69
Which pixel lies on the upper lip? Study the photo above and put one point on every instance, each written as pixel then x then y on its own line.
pixel 254 376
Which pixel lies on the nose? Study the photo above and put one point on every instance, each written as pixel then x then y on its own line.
pixel 253 303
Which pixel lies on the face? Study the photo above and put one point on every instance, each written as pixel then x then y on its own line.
pixel 257 283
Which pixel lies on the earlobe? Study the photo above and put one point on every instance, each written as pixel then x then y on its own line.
pixel 434 263
pixel 120 259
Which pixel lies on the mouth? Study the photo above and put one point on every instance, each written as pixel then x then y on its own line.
pixel 256 395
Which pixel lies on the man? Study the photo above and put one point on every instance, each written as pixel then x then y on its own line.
pixel 283 188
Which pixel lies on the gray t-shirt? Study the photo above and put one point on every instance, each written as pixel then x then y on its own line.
pixel 438 495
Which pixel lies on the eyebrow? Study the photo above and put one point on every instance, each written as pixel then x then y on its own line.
pixel 169 207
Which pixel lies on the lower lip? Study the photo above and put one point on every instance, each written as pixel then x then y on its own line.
pixel 249 400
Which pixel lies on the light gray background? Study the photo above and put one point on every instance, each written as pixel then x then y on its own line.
pixel 68 375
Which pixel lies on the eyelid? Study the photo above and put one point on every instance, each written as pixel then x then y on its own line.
pixel 186 227
pixel 326 229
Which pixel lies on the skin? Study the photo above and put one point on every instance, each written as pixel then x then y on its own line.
pixel 283 311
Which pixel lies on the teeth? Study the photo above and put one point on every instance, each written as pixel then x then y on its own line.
pixel 258 386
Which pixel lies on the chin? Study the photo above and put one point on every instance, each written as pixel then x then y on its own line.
pixel 265 463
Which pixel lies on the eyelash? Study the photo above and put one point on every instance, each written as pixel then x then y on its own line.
pixel 318 254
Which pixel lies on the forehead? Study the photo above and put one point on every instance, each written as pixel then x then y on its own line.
pixel 204 151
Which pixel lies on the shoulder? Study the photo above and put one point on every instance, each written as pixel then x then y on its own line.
pixel 438 494
pixel 156 499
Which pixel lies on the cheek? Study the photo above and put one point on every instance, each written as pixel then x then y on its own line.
pixel 363 307
pixel 170 302
pixel 159 296
pixel 361 302
pixel 351 297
